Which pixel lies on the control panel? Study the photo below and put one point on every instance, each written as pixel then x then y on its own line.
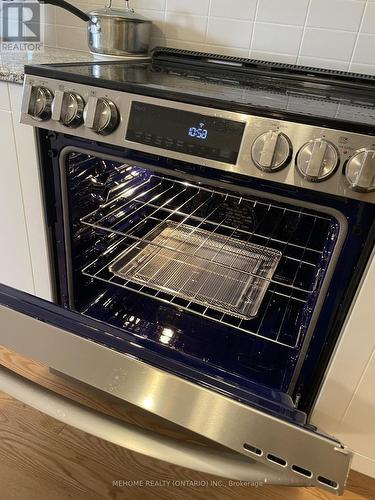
pixel 317 158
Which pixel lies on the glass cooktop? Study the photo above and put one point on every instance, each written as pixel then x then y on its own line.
pixel 277 93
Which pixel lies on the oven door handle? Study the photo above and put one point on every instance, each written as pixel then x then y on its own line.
pixel 136 439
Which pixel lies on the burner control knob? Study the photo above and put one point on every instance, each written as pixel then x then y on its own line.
pixel 101 115
pixel 317 160
pixel 360 170
pixel 271 151
pixel 67 107
pixel 38 102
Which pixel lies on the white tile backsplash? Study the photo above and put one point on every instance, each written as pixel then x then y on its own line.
pixel 185 27
pixel 65 18
pixel 71 37
pixel 368 25
pixel 49 13
pixel 336 14
pixel 283 11
pixel 229 32
pixel 365 50
pixel 235 9
pixel 158 21
pixel 148 4
pixel 277 38
pixel 337 34
pixel 189 7
pixel 330 44
pixel 50 35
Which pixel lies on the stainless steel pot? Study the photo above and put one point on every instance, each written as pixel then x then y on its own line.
pixel 115 32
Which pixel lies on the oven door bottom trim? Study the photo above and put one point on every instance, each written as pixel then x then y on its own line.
pixel 204 459
pixel 321 460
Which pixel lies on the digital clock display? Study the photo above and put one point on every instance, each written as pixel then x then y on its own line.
pixel 198 132
pixel 190 133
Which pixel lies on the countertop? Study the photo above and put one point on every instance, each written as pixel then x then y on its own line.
pixel 12 64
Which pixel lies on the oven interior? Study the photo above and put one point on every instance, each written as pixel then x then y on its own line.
pixel 228 283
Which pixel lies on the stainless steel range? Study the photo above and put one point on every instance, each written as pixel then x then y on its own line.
pixel 210 219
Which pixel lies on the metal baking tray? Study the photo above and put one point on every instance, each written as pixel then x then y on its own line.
pixel 202 267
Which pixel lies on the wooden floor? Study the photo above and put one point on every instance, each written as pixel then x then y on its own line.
pixel 43 459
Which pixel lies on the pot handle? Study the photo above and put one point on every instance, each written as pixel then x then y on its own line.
pixel 70 8
pixel 127 7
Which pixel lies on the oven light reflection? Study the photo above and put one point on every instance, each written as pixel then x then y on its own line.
pixel 166 335
pixel 148 403
pixel 131 321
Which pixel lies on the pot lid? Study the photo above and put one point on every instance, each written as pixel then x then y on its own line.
pixel 126 13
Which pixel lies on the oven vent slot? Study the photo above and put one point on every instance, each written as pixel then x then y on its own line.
pixel 328 482
pixel 302 471
pixel 277 460
pixel 253 449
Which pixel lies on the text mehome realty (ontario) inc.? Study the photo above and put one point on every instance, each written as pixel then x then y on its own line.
pixel 183 483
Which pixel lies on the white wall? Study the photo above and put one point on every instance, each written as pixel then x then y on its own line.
pixel 337 34
pixel 346 404
pixel 24 259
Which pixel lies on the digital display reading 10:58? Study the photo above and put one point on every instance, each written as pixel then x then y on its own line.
pixel 193 134
pixel 198 132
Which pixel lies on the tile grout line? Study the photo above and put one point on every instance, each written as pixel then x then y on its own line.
pixel 253 29
pixel 310 57
pixel 317 28
pixel 358 34
pixel 236 19
pixel 208 19
pixel 303 32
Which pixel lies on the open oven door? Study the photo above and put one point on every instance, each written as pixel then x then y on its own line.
pixel 261 447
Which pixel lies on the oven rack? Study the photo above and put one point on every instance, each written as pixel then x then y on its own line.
pixel 304 237
pixel 139 209
pixel 207 268
pixel 293 306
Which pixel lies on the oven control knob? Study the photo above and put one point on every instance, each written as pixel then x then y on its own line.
pixel 317 160
pixel 39 103
pixel 271 151
pixel 360 170
pixel 67 108
pixel 101 115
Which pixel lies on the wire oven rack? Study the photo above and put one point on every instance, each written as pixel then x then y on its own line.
pixel 298 236
pixel 224 273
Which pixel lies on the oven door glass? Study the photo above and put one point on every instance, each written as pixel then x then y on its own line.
pixel 72 343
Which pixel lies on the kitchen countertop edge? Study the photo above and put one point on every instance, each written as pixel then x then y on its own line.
pixel 12 64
